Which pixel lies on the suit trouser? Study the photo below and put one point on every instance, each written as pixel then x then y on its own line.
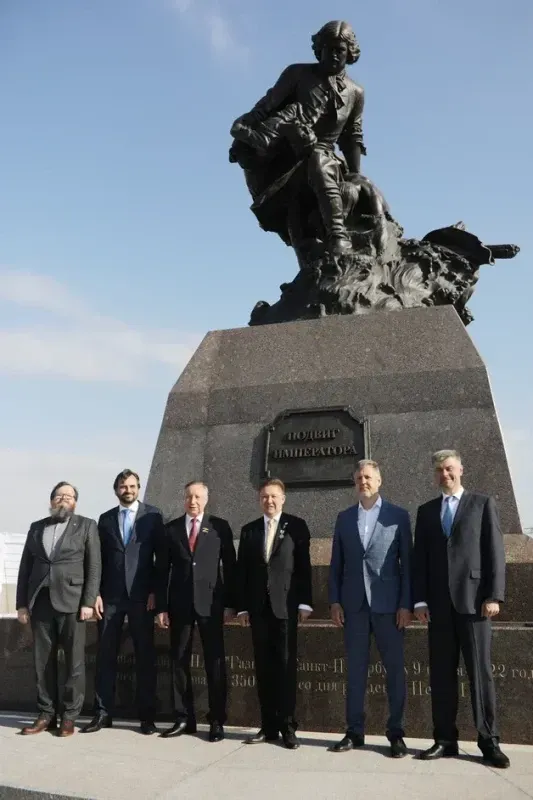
pixel 449 634
pixel 52 630
pixel 358 627
pixel 141 629
pixel 211 630
pixel 275 645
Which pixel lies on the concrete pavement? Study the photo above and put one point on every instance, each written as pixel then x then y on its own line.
pixel 121 764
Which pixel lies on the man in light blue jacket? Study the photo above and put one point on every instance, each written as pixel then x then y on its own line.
pixel 370 592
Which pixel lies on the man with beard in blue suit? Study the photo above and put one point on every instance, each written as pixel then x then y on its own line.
pixel 370 593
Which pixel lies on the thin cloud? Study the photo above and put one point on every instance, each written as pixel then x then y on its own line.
pixel 219 29
pixel 79 343
pixel 38 291
pixel 92 473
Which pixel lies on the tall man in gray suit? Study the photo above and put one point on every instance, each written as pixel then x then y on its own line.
pixel 58 582
pixel 370 592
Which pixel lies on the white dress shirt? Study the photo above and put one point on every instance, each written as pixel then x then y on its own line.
pixel 188 523
pixel 367 520
pixel 132 512
pixel 266 520
pixel 454 502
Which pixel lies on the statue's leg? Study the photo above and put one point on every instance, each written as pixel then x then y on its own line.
pixel 324 176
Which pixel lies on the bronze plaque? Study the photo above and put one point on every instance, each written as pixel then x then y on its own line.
pixel 315 447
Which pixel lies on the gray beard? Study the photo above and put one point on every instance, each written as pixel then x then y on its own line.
pixel 60 514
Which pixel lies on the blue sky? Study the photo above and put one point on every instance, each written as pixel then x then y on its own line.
pixel 125 233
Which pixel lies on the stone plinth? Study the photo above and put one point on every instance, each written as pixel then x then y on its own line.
pixel 321 680
pixel 414 376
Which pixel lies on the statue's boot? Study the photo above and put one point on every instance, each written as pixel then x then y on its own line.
pixel 332 211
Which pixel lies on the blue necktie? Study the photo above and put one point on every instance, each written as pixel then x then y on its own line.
pixel 126 525
pixel 447 518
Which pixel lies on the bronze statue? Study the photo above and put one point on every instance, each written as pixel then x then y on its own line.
pixel 350 249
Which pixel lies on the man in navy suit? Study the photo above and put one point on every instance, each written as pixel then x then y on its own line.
pixel 132 542
pixel 370 592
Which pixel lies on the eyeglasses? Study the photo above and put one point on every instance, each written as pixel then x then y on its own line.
pixel 63 497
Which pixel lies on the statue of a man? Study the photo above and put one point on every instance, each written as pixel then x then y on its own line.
pixel 311 109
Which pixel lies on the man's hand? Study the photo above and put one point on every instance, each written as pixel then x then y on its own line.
pixel 23 616
pixel 229 614
pixel 243 619
pixel 422 614
pixel 403 618
pixel 163 620
pixel 337 614
pixel 490 609
pixel 86 613
pixel 303 614
pixel 99 608
pixel 150 605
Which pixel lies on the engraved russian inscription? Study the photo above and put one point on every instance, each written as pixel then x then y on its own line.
pixel 315 447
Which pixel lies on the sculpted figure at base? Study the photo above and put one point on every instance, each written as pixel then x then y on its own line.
pixel 300 147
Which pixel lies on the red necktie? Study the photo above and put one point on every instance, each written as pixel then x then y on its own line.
pixel 194 534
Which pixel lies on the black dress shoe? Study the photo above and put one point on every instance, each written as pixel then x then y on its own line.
pixel 98 722
pixel 261 736
pixel 216 732
pixel 439 751
pixel 148 728
pixel 179 728
pixel 290 740
pixel 398 748
pixel 494 756
pixel 349 741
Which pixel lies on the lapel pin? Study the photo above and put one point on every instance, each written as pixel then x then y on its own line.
pixel 205 530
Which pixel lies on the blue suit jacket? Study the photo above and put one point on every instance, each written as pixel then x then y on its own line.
pixel 382 572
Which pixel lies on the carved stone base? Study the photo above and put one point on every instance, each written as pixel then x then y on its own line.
pixel 321 680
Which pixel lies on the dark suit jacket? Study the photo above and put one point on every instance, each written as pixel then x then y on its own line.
pixel 130 571
pixel 286 578
pixel 73 572
pixel 469 567
pixel 382 572
pixel 202 582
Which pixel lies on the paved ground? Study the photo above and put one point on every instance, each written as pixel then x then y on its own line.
pixel 121 763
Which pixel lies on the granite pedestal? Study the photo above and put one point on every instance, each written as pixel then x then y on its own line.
pixel 413 376
pixel 321 679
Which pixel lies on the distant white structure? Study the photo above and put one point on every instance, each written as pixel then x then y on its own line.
pixel 11 545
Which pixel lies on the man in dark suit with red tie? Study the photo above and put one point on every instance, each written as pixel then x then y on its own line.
pixel 200 560
pixel 459 583
pixel 132 542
